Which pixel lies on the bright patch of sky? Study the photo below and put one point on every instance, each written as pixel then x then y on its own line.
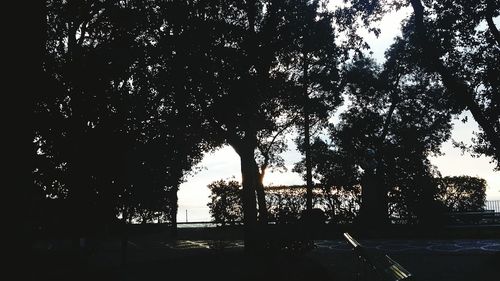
pixel 390 27
pixel 454 162
pixel 225 163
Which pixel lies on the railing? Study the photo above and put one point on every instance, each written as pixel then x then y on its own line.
pixel 492 205
pixel 376 265
pixel 488 217
pixel 193 224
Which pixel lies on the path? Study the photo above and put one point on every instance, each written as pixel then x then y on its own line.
pixel 387 246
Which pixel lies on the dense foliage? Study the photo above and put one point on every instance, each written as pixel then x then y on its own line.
pixel 225 202
pixel 462 194
pixel 134 92
pixel 341 206
pixel 460 42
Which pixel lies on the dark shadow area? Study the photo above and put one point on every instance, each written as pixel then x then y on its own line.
pixel 201 254
pixel 194 264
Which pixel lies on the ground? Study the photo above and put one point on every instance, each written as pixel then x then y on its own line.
pixel 155 256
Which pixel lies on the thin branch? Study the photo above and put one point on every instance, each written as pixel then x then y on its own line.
pixel 284 128
pixel 265 151
pixel 491 25
pixel 394 102
pixel 95 10
pixel 459 88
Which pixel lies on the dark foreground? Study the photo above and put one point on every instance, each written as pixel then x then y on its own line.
pixel 155 256
pixel 194 264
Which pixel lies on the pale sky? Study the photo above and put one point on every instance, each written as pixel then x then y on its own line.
pixel 225 163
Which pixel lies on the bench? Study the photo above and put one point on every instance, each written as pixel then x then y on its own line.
pixel 377 265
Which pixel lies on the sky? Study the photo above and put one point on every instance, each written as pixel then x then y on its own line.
pixel 225 163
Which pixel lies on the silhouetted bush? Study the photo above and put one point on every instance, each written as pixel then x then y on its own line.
pixel 225 202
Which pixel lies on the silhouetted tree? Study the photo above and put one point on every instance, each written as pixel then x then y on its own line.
pixel 249 87
pixel 316 61
pixel 462 193
pixel 116 132
pixel 339 177
pixel 225 206
pixel 312 58
pixel 397 117
pixel 137 87
pixel 75 116
pixel 466 58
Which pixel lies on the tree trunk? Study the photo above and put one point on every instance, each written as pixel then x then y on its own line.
pixel 78 191
pixel 124 237
pixel 367 213
pixel 249 182
pixel 173 212
pixel 331 202
pixel 374 203
pixel 382 208
pixel 379 215
pixel 78 196
pixel 261 199
pixel 491 24
pixel 309 182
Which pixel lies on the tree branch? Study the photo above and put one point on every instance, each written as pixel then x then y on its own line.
pixel 265 151
pixel 458 88
pixel 93 11
pixel 491 25
pixel 394 102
